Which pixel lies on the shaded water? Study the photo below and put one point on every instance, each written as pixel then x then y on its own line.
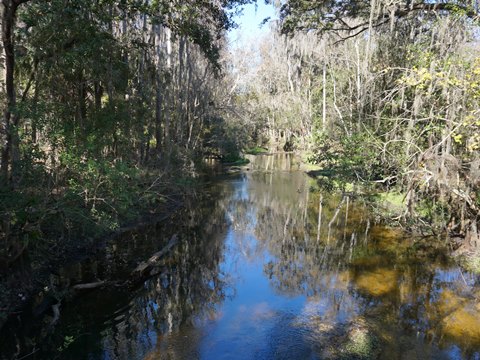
pixel 268 267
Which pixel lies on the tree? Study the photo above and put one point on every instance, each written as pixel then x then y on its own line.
pixel 352 17
pixel 97 95
pixel 396 106
pixel 8 127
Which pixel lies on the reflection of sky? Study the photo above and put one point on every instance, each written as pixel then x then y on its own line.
pixel 292 309
pixel 258 320
pixel 256 311
pixel 252 315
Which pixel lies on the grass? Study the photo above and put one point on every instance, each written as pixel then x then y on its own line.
pixel 393 199
pixel 310 167
pixel 257 150
pixel 239 162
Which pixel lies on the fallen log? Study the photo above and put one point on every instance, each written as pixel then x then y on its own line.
pixel 144 270
pixel 88 286
pixel 145 267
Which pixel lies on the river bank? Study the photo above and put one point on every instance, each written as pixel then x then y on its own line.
pixel 73 230
pixel 391 202
pixel 32 273
pixel 32 284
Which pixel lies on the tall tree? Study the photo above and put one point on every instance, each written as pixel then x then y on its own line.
pixel 8 128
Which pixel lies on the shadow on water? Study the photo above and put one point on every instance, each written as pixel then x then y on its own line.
pixel 268 267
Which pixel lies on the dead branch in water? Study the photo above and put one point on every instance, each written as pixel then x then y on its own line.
pixel 88 286
pixel 144 268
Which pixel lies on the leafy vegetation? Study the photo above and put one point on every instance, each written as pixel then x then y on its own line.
pixel 102 103
pixel 257 150
pixel 384 94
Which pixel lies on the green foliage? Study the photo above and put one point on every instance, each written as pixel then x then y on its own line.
pixel 236 161
pixel 98 197
pixel 106 189
pixel 68 340
pixel 103 105
pixel 472 263
pixel 305 15
pixel 256 150
pixel 393 202
pixel 20 212
pixel 224 137
pixel 353 157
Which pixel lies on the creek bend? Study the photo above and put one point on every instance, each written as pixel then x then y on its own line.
pixel 267 266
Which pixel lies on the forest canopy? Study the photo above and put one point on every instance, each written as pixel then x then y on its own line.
pixel 99 101
pixel 358 16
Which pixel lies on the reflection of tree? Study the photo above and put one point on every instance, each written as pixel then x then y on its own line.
pixel 289 230
pixel 187 290
pixel 116 323
pixel 351 268
pixel 348 267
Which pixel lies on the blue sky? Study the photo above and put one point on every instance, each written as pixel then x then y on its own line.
pixel 250 21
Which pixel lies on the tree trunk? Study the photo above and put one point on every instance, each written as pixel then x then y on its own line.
pixel 98 95
pixel 159 88
pixel 10 152
pixel 8 13
pixel 324 93
pixel 168 40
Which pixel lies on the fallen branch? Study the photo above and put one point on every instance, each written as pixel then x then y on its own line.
pixel 145 267
pixel 88 286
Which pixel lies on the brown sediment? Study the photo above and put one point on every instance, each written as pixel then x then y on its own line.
pixel 377 282
pixel 460 317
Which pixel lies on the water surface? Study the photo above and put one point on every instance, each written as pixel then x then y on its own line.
pixel 268 267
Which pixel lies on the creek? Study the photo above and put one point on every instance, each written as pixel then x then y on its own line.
pixel 267 266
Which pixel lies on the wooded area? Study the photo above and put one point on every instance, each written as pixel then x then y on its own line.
pixel 107 106
pixel 101 101
pixel 378 92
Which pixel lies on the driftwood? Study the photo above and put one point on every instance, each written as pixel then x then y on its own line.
pixel 145 268
pixel 88 286
pixel 142 272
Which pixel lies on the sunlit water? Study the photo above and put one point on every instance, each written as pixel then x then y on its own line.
pixel 268 267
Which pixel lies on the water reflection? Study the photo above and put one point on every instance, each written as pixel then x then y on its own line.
pixel 270 267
